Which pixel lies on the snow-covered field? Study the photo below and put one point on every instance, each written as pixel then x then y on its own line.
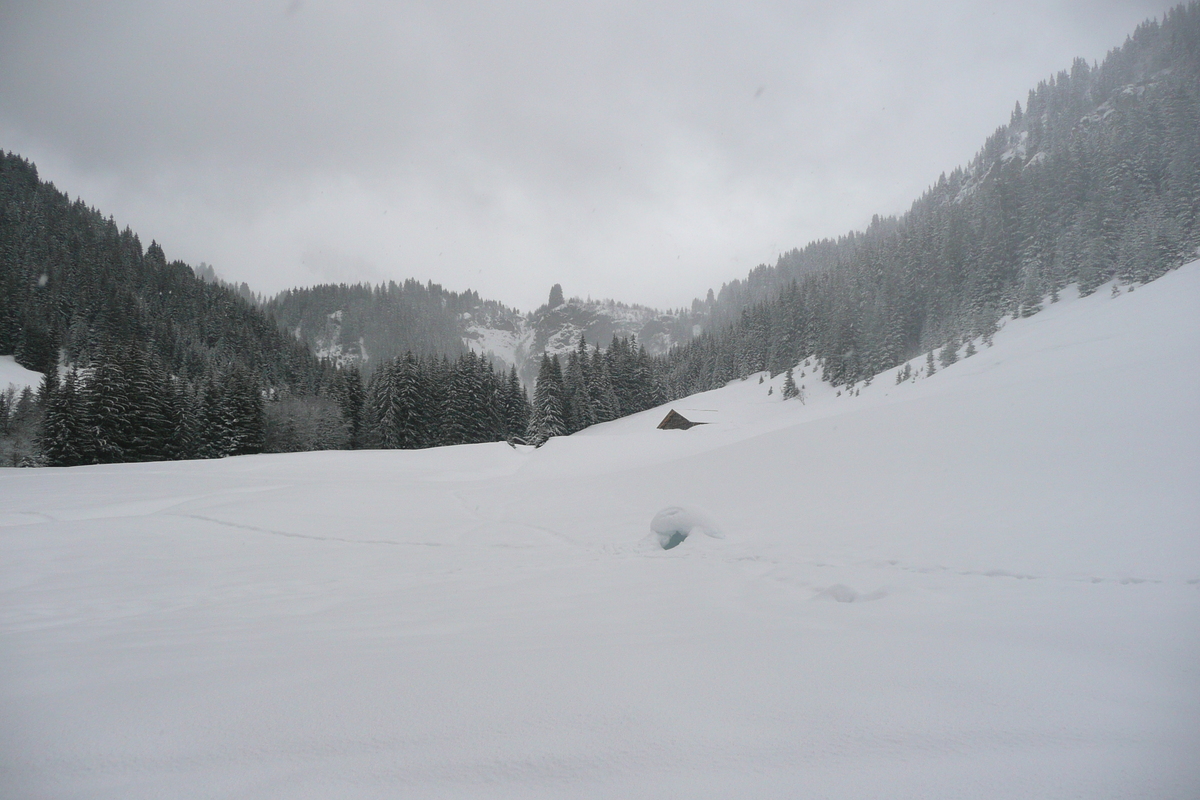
pixel 983 584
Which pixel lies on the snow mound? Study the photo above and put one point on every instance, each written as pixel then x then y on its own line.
pixel 674 524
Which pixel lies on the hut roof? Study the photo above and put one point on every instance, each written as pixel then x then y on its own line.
pixel 676 421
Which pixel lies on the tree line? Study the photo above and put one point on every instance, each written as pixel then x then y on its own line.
pixel 414 402
pixel 125 407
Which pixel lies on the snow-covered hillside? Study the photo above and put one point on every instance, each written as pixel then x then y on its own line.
pixel 368 336
pixel 13 374
pixel 984 584
pixel 514 339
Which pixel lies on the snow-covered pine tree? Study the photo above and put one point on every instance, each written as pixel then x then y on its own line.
pixel 589 411
pixel 351 397
pixel 949 354
pixel 460 411
pixel 646 390
pixel 440 371
pixel 245 409
pixel 578 391
pixel 59 439
pixel 546 419
pixel 107 418
pixel 149 407
pixel 214 439
pixel 607 406
pixel 182 417
pixel 790 389
pixel 516 407
pixel 409 403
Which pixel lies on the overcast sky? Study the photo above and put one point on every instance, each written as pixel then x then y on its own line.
pixel 641 151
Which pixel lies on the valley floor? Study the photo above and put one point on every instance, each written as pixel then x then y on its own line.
pixel 984 583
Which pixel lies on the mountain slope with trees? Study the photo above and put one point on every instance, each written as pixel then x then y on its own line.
pixel 369 326
pixel 71 281
pixel 158 363
pixel 1097 177
pixel 147 360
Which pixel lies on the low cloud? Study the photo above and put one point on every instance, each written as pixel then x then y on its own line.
pixel 644 153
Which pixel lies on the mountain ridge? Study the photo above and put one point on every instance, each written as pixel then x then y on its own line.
pixel 366 326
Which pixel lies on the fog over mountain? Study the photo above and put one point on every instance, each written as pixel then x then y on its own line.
pixel 644 154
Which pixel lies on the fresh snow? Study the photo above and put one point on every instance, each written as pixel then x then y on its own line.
pixel 984 584
pixel 13 374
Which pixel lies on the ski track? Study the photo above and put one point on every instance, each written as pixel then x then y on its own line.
pixel 311 537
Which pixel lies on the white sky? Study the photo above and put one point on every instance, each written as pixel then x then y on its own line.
pixel 638 151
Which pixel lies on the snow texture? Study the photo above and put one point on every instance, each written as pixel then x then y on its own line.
pixel 983 584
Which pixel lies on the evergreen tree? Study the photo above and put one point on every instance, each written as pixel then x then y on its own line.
pixel 949 354
pixel 790 389
pixel 606 403
pixel 244 410
pixel 410 405
pixel 107 418
pixel 182 416
pixel 469 408
pixel 546 417
pixel 148 397
pixel 351 398
pixel 59 438
pixel 578 401
pixel 216 437
pixel 385 411
pixel 516 407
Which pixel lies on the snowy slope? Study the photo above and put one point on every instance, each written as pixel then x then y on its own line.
pixel 985 584
pixel 13 374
